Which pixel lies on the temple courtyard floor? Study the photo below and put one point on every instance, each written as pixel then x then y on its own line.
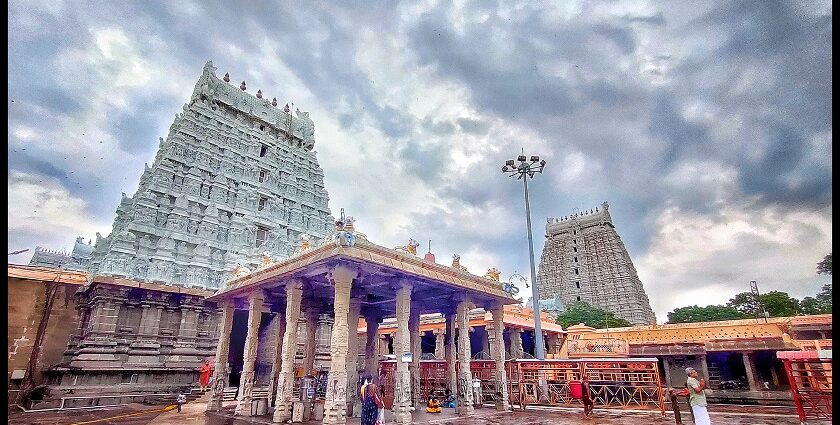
pixel 194 414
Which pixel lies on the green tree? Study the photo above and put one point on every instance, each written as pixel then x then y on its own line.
pixel 824 266
pixel 780 304
pixel 776 303
pixel 810 305
pixel 745 303
pixel 824 298
pixel 710 313
pixel 820 304
pixel 583 312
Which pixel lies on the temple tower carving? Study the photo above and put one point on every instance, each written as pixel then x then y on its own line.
pixel 235 177
pixel 584 259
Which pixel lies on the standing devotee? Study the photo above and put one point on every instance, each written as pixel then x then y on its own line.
pixel 204 377
pixel 697 397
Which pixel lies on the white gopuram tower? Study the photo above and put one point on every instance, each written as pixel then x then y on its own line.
pixel 584 259
pixel 236 177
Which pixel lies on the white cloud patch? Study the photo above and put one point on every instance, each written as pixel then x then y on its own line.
pixel 707 259
pixel 44 209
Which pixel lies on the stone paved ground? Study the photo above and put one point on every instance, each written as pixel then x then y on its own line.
pixel 193 414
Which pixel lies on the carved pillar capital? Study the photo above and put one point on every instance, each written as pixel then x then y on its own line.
pixel 342 274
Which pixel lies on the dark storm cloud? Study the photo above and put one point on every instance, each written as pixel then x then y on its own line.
pixel 759 35
pixel 138 127
pixel 638 107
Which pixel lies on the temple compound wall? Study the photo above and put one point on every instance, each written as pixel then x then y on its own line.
pixel 736 357
pixel 132 338
pixel 584 259
pixel 41 313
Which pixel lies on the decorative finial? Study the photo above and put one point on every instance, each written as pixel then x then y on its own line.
pixel 429 256
pixel 242 86
pixel 274 102
pixel 286 109
pixel 226 78
pixel 259 94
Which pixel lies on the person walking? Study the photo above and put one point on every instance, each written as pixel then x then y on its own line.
pixel 586 397
pixel 180 400
pixel 371 403
pixel 697 397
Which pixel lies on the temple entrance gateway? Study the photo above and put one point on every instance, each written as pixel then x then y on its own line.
pixel 348 278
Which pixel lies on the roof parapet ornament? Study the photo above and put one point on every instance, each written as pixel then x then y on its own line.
pixel 242 86
pixel 409 248
pixel 274 102
pixel 492 274
pixel 239 270
pixel 344 233
pixel 266 260
pixel 226 78
pixel 456 263
pixel 259 94
pixel 305 244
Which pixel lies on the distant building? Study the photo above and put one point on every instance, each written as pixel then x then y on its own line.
pixel 78 259
pixel 584 259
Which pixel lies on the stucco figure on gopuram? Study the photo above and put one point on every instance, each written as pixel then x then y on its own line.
pixel 235 177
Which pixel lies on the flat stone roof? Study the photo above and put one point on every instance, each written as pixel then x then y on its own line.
pixel 379 268
pixel 46 274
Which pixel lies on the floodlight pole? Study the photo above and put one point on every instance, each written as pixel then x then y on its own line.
pixel 525 170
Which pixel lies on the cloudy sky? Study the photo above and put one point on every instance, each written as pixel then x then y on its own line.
pixel 706 125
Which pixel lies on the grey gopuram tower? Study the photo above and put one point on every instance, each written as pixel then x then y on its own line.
pixel 235 177
pixel 584 259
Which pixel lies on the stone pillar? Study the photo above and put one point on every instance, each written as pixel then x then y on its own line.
pixel 402 344
pixel 353 401
pixel 553 345
pixel 516 351
pixel 150 320
pixel 465 396
pixel 774 375
pixel 371 354
pixel 310 346
pixel 486 346
pixel 439 351
pixel 286 379
pixel 335 405
pixel 497 345
pixel 104 317
pixel 451 374
pixel 277 361
pixel 222 350
pixel 414 368
pixel 189 322
pixel 749 365
pixel 704 366
pixel 666 362
pixel 249 355
pixel 383 344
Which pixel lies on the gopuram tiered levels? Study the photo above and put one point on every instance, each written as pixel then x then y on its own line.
pixel 584 259
pixel 234 185
pixel 235 177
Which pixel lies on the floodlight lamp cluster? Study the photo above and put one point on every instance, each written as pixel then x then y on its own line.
pixel 525 167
